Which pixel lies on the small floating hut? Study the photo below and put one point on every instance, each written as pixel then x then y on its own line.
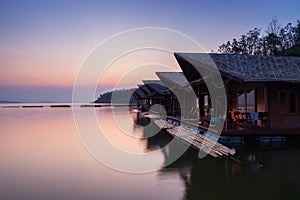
pixel 262 92
pixel 261 97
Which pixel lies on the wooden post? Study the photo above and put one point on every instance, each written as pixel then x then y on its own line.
pixel 184 106
pixel 226 114
pixel 267 95
pixel 199 103
pixel 173 106
pixel 201 106
pixel 245 101
pixel 255 104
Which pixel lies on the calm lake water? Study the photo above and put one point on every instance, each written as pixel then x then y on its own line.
pixel 42 157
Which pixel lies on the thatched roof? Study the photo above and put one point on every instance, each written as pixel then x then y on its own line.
pixel 156 86
pixel 139 94
pixel 145 89
pixel 174 80
pixel 247 68
pixel 177 78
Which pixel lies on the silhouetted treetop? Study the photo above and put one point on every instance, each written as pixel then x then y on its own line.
pixel 278 40
pixel 117 96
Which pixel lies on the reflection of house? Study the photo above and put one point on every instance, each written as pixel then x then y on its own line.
pixel 226 179
pixel 271 83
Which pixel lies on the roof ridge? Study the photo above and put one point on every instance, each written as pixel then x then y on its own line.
pixel 250 68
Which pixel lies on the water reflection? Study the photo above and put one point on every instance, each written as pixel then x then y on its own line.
pixel 263 173
pixel 43 158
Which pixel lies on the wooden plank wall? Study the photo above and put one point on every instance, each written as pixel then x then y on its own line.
pixel 260 99
pixel 283 120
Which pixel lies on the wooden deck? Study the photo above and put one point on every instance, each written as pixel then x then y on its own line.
pixel 246 132
pixel 198 141
pixel 262 132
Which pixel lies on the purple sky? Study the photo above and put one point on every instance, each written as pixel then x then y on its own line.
pixel 43 43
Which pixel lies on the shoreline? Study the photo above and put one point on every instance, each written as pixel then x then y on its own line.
pixel 61 105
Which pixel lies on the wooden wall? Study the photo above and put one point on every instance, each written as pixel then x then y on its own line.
pixel 232 97
pixel 267 99
pixel 261 100
pixel 279 119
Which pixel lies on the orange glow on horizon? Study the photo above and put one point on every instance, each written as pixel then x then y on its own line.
pixel 34 71
pixel 131 69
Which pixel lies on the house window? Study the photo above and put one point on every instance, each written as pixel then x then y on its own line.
pixel 283 102
pixel 292 103
pixel 287 102
pixel 250 98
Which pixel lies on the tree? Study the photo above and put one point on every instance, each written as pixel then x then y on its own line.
pixel 285 35
pixel 222 48
pixel 243 44
pixel 252 38
pixel 263 47
pixel 273 44
pixel 297 34
pixel 277 41
pixel 274 26
pixel 120 96
pixel 235 47
pixel 225 48
pixel 272 38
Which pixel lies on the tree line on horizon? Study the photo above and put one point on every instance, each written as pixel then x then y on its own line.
pixel 278 40
pixel 120 96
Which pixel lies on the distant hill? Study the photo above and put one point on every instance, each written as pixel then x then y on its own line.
pixel 119 96
pixel 9 101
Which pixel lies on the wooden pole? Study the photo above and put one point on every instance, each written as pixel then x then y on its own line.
pixel 184 106
pixel 173 99
pixel 245 101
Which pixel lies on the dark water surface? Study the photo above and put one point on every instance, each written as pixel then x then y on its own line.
pixel 42 157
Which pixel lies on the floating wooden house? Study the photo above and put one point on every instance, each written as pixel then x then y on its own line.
pixel 141 98
pixel 159 93
pixel 183 101
pixel 262 92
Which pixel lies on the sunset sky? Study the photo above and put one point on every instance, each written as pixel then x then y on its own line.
pixel 43 43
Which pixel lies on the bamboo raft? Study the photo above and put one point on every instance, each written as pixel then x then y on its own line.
pixel 198 141
pixel 162 124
